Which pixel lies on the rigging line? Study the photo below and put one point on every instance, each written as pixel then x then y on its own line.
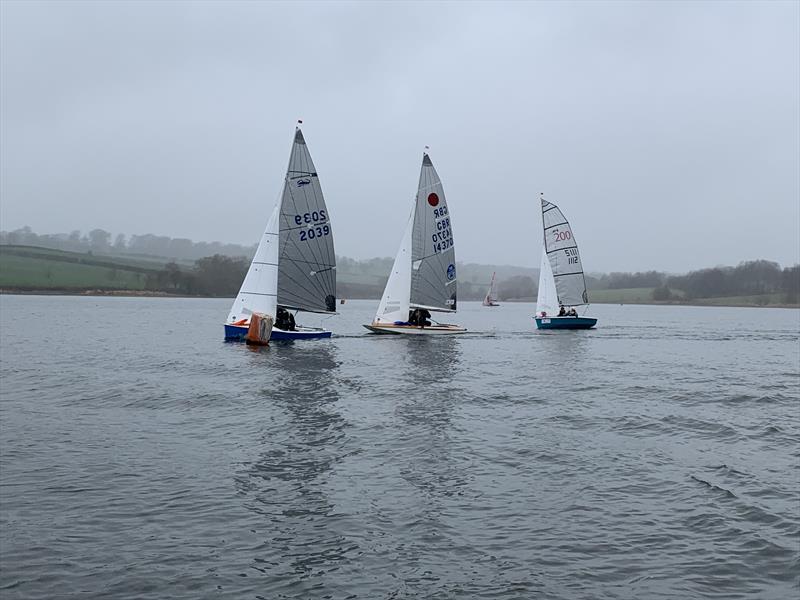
pixel 308 262
pixel 318 284
pixel 308 209
pixel 562 248
pixel 556 225
pixel 435 284
pixel 314 186
pixel 256 293
pixel 320 245
pixel 430 186
pixel 326 247
pixel 298 285
pixel 308 225
pixel 317 290
pixel 419 291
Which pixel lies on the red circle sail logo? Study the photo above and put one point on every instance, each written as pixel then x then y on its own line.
pixel 433 200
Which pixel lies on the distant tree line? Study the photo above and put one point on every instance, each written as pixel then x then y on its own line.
pixel 216 269
pixel 216 275
pixel 99 241
pixel 220 275
pixel 757 277
pixel 750 278
pixel 515 288
pixel 619 281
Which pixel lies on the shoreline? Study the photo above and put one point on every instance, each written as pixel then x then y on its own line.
pixel 161 294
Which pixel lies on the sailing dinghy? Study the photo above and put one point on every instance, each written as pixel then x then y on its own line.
pixel 561 280
pixel 294 268
pixel 491 295
pixel 423 277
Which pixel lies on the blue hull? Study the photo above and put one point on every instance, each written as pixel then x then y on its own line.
pixel 565 322
pixel 234 333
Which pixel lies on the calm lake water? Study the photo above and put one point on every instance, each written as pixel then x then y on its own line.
pixel 657 456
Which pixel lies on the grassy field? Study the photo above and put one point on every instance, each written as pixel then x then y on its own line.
pixel 622 296
pixel 29 268
pixel 645 296
pixel 755 300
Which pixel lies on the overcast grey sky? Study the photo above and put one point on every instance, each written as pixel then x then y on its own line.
pixel 668 132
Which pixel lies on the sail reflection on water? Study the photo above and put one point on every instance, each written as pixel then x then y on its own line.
pixel 288 484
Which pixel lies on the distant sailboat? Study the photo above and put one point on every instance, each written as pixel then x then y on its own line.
pixel 491 295
pixel 562 284
pixel 423 277
pixel 294 268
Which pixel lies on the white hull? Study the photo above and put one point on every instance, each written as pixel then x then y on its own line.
pixel 416 330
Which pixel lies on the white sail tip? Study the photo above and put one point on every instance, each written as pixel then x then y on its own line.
pixel 298 136
pixel 426 160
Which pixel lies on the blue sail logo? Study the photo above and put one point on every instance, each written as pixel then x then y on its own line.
pixel 451 272
pixel 302 182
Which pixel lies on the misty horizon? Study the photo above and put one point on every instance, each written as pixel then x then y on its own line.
pixel 228 249
pixel 668 133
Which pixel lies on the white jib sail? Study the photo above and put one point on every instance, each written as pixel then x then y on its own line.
pixel 259 291
pixel 547 297
pixel 394 304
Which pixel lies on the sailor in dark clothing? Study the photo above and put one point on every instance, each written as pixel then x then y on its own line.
pixel 284 320
pixel 562 311
pixel 424 315
pixel 419 317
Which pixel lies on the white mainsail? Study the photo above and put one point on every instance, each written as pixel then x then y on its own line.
pixel 294 265
pixel 491 295
pixel 564 260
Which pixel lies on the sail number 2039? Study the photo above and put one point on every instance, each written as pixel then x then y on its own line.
pixel 314 232
pixel 316 221
pixel 318 216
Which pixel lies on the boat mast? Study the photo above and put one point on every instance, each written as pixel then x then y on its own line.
pixel 544 243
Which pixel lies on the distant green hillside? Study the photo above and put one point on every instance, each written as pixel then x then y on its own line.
pixel 645 296
pixel 32 268
pixel 623 296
